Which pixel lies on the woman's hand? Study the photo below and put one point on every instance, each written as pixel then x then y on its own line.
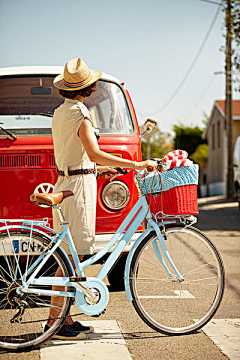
pixel 106 171
pixel 149 164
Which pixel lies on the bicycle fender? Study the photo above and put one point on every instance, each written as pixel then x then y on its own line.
pixel 24 227
pixel 129 260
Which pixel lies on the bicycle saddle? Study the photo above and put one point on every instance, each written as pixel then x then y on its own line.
pixel 50 199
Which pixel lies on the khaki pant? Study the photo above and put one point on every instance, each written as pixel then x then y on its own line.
pixel 79 210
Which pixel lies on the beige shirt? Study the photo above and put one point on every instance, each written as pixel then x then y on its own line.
pixel 68 149
pixel 69 152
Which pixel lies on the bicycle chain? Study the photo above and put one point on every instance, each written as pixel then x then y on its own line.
pixel 62 317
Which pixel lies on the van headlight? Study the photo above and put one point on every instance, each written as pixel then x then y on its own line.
pixel 116 195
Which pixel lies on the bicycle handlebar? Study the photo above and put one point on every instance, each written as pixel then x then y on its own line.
pixel 149 168
pixel 122 172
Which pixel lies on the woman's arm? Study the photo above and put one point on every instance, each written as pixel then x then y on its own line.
pixel 96 155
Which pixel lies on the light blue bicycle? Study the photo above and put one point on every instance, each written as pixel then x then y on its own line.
pixel 174 275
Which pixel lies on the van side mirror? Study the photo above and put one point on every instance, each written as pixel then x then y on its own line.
pixel 148 128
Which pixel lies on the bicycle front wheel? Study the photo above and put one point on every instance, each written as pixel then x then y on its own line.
pixel 23 316
pixel 166 304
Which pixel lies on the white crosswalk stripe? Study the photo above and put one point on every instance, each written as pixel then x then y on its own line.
pixel 105 343
pixel 225 333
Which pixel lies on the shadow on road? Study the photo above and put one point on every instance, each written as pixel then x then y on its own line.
pixel 151 335
pixel 219 215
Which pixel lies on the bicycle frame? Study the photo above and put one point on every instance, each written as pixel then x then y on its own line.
pixel 123 235
pixel 149 272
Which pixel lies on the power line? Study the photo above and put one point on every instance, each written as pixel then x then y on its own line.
pixel 212 2
pixel 191 66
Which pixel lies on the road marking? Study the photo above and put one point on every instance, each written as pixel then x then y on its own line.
pixel 105 343
pixel 180 294
pixel 225 333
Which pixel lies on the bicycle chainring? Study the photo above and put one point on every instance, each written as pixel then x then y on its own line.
pixel 84 305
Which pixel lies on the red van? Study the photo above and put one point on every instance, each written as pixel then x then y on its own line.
pixel 27 102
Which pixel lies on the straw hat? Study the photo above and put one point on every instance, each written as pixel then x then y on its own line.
pixel 76 76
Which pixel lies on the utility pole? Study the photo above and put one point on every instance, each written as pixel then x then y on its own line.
pixel 228 101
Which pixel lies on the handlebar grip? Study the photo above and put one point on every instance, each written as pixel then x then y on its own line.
pixel 150 168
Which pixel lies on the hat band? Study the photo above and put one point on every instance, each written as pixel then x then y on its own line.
pixel 81 83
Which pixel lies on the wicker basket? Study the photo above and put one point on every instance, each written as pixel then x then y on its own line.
pixel 180 200
pixel 173 192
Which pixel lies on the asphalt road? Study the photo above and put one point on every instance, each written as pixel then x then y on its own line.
pixel 220 220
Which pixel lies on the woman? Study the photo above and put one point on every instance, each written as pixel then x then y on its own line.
pixel 76 153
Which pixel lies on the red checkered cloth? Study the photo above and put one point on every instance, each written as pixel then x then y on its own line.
pixel 176 158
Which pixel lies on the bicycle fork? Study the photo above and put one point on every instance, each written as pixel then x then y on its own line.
pixel 161 241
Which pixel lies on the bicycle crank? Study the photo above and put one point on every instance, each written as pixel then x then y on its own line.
pixel 92 296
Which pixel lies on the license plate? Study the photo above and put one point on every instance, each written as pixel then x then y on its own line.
pixel 21 247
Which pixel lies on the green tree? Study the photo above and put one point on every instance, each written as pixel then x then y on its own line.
pixel 160 144
pixel 187 138
pixel 200 155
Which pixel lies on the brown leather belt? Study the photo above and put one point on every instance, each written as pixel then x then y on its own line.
pixel 77 172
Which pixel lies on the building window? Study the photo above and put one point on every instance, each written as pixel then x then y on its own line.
pixel 219 134
pixel 213 137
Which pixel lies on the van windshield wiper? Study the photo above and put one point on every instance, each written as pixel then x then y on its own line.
pixel 8 132
pixel 43 114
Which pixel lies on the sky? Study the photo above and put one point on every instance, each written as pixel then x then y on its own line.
pixel 165 51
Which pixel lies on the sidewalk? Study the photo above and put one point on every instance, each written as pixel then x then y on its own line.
pixel 218 214
pixel 216 202
pixel 107 342
pixel 212 199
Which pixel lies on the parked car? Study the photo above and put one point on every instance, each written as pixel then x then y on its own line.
pixel 27 102
pixel 236 168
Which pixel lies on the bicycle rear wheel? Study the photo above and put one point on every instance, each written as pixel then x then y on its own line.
pixel 22 318
pixel 163 302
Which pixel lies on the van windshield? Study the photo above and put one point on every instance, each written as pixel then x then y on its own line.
pixel 27 104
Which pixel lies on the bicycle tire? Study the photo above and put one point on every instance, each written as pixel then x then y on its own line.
pixel 29 332
pixel 166 304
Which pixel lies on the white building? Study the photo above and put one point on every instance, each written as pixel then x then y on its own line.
pixel 216 134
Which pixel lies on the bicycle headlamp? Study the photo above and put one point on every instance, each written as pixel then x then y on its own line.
pixel 115 195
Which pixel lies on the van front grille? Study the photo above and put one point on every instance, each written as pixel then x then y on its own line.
pixel 51 161
pixel 20 161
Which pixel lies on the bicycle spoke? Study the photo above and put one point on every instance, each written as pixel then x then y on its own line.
pixel 200 267
pixel 7 261
pixel 49 274
pixel 2 276
pixel 148 279
pixel 153 268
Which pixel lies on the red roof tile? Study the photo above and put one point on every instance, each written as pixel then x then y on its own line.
pixel 235 106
